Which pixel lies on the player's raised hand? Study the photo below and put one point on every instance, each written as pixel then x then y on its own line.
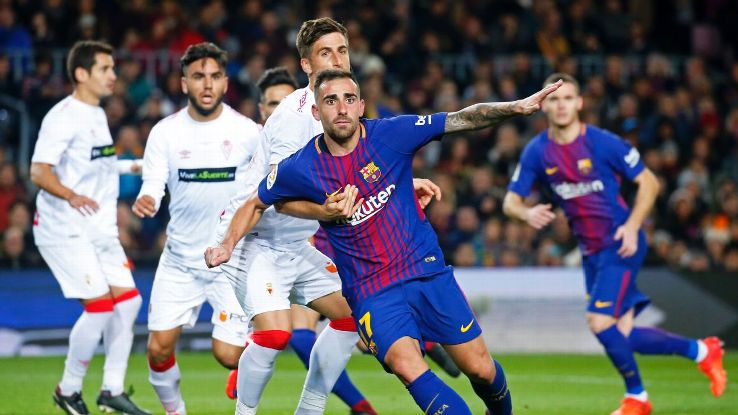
pixel 539 216
pixel 216 255
pixel 342 205
pixel 425 190
pixel 533 103
pixel 629 235
pixel 144 206
pixel 83 204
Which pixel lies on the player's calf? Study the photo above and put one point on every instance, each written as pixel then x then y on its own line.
pixel 227 354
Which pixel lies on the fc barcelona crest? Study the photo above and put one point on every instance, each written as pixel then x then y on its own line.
pixel 371 172
pixel 584 166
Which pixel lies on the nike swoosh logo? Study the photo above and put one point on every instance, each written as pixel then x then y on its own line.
pixel 466 328
pixel 334 193
pixel 551 170
pixel 602 304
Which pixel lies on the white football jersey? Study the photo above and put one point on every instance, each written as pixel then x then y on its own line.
pixel 75 139
pixel 202 164
pixel 287 130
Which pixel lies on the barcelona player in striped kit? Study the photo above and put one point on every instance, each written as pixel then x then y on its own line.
pixel 583 165
pixel 392 269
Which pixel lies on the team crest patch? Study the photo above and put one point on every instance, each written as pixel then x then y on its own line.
pixel 371 172
pixel 269 288
pixel 584 166
pixel 272 177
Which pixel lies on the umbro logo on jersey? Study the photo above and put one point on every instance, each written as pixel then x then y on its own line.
pixel 303 100
pixel 226 147
pixel 102 151
pixel 184 154
pixel 208 175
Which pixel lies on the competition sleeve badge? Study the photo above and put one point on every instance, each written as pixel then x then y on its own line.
pixel 371 172
pixel 272 177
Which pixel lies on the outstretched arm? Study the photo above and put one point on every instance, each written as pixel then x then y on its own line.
pixel 245 218
pixel 483 115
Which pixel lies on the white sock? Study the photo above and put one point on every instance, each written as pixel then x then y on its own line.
pixel 83 341
pixel 243 409
pixel 118 339
pixel 643 396
pixel 255 368
pixel 166 386
pixel 328 359
pixel 701 351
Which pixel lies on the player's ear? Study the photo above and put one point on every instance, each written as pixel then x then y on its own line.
pixel 362 104
pixel 314 110
pixel 305 65
pixel 580 103
pixel 184 85
pixel 262 114
pixel 81 74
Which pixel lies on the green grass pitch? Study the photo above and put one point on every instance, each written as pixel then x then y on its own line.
pixel 541 385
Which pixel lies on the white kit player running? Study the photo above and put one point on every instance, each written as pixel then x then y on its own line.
pixel 75 165
pixel 200 153
pixel 276 265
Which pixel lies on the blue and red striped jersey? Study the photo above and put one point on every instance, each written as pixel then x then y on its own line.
pixel 389 239
pixel 584 177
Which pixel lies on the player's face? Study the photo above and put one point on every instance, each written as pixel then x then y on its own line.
pixel 338 108
pixel 100 81
pixel 328 52
pixel 272 97
pixel 205 83
pixel 563 105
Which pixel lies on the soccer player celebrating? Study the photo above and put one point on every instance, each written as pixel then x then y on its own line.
pixel 199 153
pixel 393 271
pixel 274 86
pixel 75 229
pixel 583 165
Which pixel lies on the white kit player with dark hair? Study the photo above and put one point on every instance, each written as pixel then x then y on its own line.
pixel 200 153
pixel 75 165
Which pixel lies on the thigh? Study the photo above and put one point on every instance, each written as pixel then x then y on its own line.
pixel 176 297
pixel 441 309
pixel 316 276
pixel 303 317
pixel 76 269
pixel 384 318
pixel 260 279
pixel 114 263
pixel 230 324
pixel 614 291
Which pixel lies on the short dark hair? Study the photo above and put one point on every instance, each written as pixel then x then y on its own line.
pixel 203 50
pixel 331 74
pixel 564 77
pixel 312 30
pixel 275 76
pixel 82 55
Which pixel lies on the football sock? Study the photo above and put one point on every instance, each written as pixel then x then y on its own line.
pixel 164 377
pixel 496 395
pixel 302 342
pixel 619 351
pixel 645 340
pixel 434 396
pixel 83 340
pixel 328 359
pixel 256 366
pixel 118 339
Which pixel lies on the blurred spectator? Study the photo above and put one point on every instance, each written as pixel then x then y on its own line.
pixel 11 191
pixel 12 37
pixel 15 254
pixel 129 147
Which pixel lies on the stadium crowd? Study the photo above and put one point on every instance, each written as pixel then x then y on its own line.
pixel 671 90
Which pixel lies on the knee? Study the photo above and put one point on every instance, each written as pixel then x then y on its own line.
pixel 407 365
pixel 480 370
pixel 272 339
pixel 599 322
pixel 159 352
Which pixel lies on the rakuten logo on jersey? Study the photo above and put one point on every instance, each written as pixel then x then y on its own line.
pixel 370 207
pixel 573 190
